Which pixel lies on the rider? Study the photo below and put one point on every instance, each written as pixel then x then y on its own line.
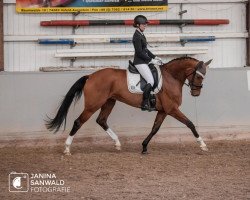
pixel 143 57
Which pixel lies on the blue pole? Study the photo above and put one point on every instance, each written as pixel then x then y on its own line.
pixel 60 41
pixel 120 40
pixel 199 39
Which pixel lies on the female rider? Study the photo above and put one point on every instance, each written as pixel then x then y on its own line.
pixel 143 57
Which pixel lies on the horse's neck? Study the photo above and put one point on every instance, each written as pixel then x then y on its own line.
pixel 178 70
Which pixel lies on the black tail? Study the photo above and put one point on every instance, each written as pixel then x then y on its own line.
pixel 74 92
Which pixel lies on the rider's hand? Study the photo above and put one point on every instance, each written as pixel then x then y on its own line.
pixel 155 62
pixel 158 58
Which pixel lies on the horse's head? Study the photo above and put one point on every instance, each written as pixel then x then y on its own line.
pixel 196 77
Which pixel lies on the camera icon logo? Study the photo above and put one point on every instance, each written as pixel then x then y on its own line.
pixel 18 182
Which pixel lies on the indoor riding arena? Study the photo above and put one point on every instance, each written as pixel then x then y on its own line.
pixel 72 124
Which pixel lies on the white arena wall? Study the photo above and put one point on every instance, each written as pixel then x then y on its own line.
pixel 223 106
pixel 226 52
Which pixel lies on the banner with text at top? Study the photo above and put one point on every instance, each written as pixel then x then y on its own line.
pixel 57 6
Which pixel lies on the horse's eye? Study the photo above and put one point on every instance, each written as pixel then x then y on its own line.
pixel 199 77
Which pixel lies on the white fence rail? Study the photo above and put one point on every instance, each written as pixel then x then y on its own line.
pixel 116 52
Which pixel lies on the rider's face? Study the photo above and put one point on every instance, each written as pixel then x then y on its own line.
pixel 142 27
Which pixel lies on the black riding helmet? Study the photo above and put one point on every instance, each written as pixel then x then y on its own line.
pixel 140 19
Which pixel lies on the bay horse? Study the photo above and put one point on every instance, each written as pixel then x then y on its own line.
pixel 104 87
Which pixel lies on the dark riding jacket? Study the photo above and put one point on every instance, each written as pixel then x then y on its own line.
pixel 142 54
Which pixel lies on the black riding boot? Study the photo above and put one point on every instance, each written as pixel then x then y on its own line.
pixel 146 94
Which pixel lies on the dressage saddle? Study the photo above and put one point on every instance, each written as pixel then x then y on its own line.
pixel 143 82
pixel 132 69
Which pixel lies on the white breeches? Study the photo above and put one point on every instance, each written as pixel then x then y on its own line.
pixel 146 73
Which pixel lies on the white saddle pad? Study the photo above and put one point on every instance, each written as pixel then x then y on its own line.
pixel 134 85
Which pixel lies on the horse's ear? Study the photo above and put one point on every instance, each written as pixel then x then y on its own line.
pixel 200 64
pixel 208 62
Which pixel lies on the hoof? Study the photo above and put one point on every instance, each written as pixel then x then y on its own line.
pixel 119 148
pixel 144 152
pixel 67 152
pixel 204 148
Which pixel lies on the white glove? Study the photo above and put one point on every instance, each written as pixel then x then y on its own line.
pixel 155 62
pixel 158 58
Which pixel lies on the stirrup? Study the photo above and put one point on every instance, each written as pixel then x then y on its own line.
pixel 146 107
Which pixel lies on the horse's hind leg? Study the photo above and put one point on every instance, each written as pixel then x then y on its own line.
pixel 102 121
pixel 86 114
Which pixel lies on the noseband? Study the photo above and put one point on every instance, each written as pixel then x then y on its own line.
pixel 191 83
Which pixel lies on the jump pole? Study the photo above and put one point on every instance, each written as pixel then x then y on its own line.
pixel 130 22
pixel 248 28
pixel 1 38
pixel 120 40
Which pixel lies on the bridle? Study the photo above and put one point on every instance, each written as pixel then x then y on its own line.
pixel 191 83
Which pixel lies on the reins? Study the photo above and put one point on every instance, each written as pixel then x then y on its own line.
pixel 191 83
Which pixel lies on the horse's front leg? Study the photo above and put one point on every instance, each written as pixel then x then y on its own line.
pixel 158 121
pixel 177 114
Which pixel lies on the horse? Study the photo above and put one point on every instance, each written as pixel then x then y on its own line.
pixel 104 87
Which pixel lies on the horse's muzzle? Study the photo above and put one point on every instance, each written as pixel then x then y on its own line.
pixel 195 93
